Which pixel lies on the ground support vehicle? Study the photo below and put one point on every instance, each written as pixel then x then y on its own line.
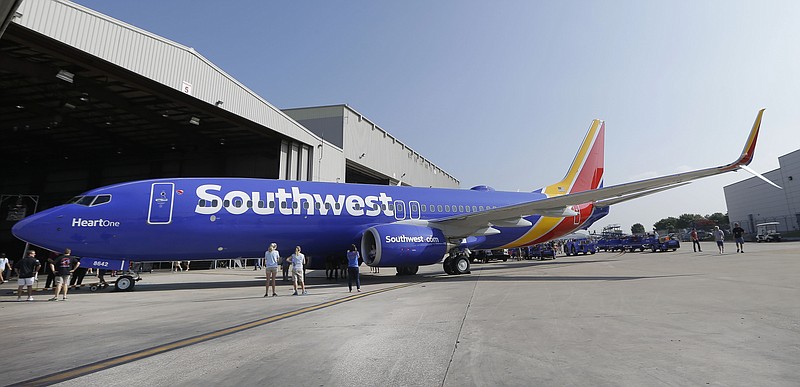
pixel 583 246
pixel 633 243
pixel 768 232
pixel 662 244
pixel 542 251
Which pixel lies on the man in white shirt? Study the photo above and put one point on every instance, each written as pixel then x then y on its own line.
pixel 271 257
pixel 3 265
pixel 298 260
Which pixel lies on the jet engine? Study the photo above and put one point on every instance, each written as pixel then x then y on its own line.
pixel 402 245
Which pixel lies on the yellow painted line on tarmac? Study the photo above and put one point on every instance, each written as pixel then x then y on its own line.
pixel 145 353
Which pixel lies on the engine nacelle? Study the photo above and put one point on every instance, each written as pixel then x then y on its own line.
pixel 402 245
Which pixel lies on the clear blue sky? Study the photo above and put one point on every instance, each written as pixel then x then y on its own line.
pixel 501 93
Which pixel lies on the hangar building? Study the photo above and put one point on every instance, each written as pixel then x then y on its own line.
pixel 753 201
pixel 87 100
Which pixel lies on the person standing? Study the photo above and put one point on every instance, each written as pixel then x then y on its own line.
pixel 63 269
pixel 695 241
pixel 719 237
pixel 738 237
pixel 298 261
pixel 271 257
pixel 352 269
pixel 48 269
pixel 78 273
pixel 27 269
pixel 101 278
pixel 4 264
pixel 285 268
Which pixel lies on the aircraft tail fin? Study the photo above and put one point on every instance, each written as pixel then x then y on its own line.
pixel 586 171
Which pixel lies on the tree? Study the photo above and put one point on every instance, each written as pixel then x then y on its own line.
pixel 666 224
pixel 637 228
pixel 720 220
pixel 687 220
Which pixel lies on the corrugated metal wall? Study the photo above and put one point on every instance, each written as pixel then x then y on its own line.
pixel 369 145
pixel 161 60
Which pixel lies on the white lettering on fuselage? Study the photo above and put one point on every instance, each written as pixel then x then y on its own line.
pixel 411 239
pixel 80 222
pixel 301 203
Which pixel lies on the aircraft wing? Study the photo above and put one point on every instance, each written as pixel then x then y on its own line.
pixel 480 223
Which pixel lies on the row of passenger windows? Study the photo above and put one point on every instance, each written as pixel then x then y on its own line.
pixel 91 200
pixel 306 205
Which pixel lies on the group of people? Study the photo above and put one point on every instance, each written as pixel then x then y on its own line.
pixel 297 262
pixel 63 272
pixel 719 238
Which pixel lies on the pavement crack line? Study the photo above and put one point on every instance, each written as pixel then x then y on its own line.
pixel 461 328
pixel 101 365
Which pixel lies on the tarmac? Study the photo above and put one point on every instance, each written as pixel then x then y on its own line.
pixel 608 319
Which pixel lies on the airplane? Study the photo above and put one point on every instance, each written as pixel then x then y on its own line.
pixel 394 226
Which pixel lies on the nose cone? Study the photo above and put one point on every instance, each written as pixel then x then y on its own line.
pixel 34 229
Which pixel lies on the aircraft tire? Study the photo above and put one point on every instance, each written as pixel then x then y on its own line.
pixel 125 283
pixel 461 265
pixel 448 266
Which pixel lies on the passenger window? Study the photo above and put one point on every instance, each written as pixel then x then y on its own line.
pixel 214 203
pixel 226 203
pixel 201 203
pixel 338 206
pixel 474 209
pixel 260 204
pixel 318 205
pixel 237 203
pixel 467 208
pixel 460 208
pixel 446 208
pixel 391 206
pixel 249 204
pixel 306 205
pixel 327 206
pixel 438 208
pixel 480 208
pixel 357 206
pixel 271 204
pixel 295 205
pixel 283 205
pixel 424 208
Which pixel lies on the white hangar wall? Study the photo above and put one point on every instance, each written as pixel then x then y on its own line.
pixel 371 149
pixel 753 201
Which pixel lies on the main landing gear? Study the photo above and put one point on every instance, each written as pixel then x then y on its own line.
pixel 458 264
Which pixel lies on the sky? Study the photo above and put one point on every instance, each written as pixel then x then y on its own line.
pixel 501 93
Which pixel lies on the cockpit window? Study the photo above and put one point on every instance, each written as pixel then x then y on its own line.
pixel 90 201
pixel 101 199
pixel 86 200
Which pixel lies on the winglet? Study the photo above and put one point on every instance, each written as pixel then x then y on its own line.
pixel 749 147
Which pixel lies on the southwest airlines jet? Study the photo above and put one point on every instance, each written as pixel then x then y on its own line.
pixel 395 226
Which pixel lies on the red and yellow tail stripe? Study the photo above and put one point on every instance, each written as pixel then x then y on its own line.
pixel 585 173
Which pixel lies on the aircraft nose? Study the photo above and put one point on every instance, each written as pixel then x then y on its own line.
pixel 32 229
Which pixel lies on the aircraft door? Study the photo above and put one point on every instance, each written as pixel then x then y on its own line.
pixel 576 220
pixel 414 210
pixel 162 195
pixel 399 209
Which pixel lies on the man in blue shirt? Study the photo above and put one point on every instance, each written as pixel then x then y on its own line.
pixel 352 268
